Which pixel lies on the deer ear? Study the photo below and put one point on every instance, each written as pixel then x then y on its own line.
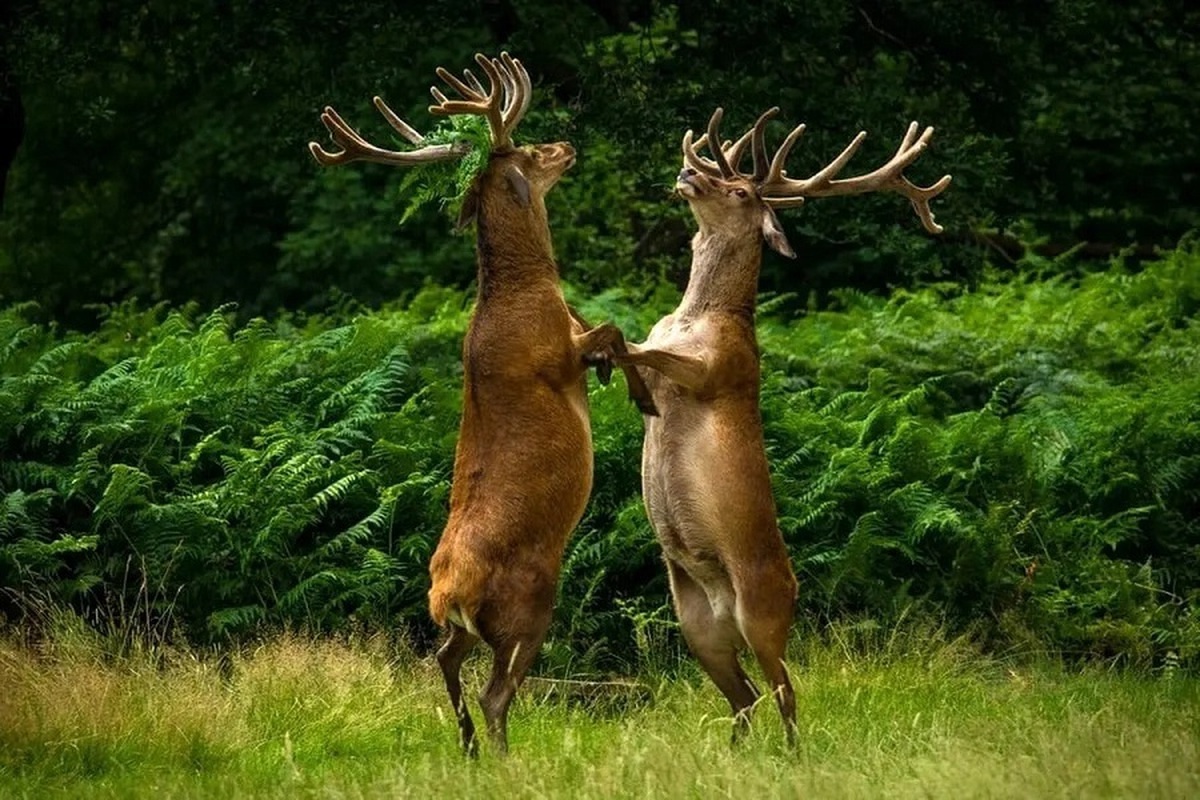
pixel 470 208
pixel 773 233
pixel 518 183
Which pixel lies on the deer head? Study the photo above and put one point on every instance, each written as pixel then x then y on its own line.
pixel 725 199
pixel 515 176
pixel 518 179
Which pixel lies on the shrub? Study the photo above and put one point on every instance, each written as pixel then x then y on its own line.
pixel 1019 459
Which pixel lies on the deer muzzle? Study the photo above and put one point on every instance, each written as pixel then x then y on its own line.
pixel 686 182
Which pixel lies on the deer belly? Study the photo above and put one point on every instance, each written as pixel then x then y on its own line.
pixel 577 401
pixel 681 498
pixel 566 461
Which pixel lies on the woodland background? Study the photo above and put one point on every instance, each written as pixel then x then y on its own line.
pixel 229 379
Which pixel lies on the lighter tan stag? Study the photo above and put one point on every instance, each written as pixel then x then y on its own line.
pixel 705 477
pixel 523 462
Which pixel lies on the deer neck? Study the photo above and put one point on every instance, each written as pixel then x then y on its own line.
pixel 513 246
pixel 724 275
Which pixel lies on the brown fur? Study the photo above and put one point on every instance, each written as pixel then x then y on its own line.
pixel 522 468
pixel 523 464
pixel 705 477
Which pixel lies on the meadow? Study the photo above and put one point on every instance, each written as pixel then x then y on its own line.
pixel 901 713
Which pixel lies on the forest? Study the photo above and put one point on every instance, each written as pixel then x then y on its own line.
pixel 230 379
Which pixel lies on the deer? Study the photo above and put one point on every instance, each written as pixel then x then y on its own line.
pixel 705 477
pixel 523 461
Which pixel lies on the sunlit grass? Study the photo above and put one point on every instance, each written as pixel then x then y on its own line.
pixel 298 716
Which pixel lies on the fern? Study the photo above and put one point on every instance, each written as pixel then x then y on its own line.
pixel 448 182
pixel 1019 457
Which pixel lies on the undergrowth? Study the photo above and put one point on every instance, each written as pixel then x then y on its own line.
pixel 1020 460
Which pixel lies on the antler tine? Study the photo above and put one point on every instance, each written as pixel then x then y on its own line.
pixel 776 182
pixel 515 96
pixel 911 134
pixel 714 144
pixel 341 133
pixel 508 96
pixel 775 171
pixel 523 86
pixel 468 92
pixel 356 148
pixel 402 127
pixel 694 159
pixel 759 145
pixel 734 152
pixel 477 101
pixel 475 84
pixel 920 196
pixel 906 153
pixel 495 116
pixel 780 191
pixel 825 176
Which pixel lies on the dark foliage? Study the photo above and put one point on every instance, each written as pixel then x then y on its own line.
pixel 164 150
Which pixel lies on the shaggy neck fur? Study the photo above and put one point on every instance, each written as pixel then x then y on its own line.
pixel 724 274
pixel 512 243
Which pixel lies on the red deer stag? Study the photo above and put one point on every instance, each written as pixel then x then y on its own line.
pixel 523 463
pixel 705 476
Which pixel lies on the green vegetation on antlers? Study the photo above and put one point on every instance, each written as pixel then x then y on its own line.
pixel 447 182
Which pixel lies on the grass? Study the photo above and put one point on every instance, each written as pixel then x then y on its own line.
pixel 909 716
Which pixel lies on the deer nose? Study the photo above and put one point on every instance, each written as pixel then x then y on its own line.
pixel 685 173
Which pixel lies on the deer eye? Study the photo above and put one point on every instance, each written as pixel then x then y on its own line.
pixel 740 193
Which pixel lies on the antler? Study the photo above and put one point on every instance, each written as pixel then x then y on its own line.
pixel 727 157
pixel 779 191
pixel 356 148
pixel 504 102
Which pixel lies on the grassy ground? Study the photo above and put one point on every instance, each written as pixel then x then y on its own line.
pixel 298 717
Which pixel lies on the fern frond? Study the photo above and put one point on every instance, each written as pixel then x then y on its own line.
pixel 448 182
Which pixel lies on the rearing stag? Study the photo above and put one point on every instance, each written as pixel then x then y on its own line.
pixel 523 463
pixel 705 478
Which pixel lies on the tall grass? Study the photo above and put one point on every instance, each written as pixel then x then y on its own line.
pixel 903 715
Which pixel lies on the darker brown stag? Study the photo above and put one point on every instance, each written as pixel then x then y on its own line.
pixel 523 463
pixel 705 476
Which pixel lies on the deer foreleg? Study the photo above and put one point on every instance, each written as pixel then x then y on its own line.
pixel 689 371
pixel 606 342
pixel 602 362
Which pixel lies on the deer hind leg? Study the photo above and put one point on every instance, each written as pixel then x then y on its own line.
pixel 450 658
pixel 512 658
pixel 765 608
pixel 715 643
